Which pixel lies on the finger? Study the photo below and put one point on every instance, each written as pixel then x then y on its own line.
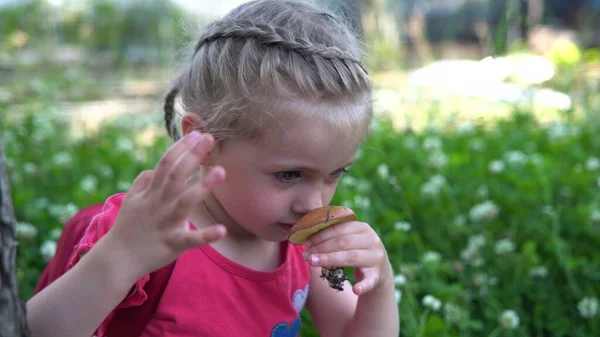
pixel 339 229
pixel 141 182
pixel 186 165
pixel 343 242
pixel 196 192
pixel 347 258
pixel 183 240
pixel 171 156
pixel 367 283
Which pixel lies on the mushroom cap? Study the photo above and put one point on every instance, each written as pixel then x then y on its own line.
pixel 319 219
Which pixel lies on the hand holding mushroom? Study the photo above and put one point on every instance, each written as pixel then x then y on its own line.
pixel 335 240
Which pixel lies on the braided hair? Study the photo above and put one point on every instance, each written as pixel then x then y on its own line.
pixel 265 51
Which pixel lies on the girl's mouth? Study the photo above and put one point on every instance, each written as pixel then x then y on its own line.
pixel 285 226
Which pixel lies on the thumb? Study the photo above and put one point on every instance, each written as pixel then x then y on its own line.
pixel 367 278
pixel 184 240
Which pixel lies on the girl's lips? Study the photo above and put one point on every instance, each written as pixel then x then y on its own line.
pixel 285 226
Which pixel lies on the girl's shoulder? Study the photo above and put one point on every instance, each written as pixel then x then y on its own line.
pixel 99 225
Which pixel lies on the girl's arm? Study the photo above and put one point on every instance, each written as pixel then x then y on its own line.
pixel 369 307
pixel 150 231
pixel 76 303
pixel 373 314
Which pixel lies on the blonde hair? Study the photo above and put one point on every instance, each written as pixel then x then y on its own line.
pixel 269 55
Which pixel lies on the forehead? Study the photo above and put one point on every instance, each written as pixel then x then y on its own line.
pixel 309 141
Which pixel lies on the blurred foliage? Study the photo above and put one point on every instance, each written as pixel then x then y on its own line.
pixel 491 230
pixel 138 31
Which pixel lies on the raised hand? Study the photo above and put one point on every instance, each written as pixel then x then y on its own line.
pixel 152 228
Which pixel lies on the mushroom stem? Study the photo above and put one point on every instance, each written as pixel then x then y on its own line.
pixel 335 276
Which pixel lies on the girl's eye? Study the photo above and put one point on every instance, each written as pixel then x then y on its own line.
pixel 338 173
pixel 287 176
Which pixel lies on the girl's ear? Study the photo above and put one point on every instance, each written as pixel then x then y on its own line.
pixel 191 122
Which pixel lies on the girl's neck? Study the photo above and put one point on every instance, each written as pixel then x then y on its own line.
pixel 239 245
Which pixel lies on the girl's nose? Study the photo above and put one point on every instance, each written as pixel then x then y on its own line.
pixel 308 201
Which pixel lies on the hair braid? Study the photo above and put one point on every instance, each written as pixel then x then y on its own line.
pixel 169 108
pixel 269 35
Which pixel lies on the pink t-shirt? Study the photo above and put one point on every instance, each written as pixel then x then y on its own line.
pixel 210 295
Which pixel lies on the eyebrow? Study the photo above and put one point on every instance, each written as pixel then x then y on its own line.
pixel 285 167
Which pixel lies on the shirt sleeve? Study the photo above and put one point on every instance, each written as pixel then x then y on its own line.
pixel 99 226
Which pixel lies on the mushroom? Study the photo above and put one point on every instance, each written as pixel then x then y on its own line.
pixel 315 221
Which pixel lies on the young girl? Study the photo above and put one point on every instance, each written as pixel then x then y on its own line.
pixel 276 104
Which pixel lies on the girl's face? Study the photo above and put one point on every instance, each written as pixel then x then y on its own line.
pixel 272 181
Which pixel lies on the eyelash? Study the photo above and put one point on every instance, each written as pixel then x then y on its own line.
pixel 278 175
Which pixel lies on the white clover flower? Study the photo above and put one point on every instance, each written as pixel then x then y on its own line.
pixel 504 246
pixel 29 168
pixel 592 164
pixel 123 186
pixel 5 96
pixel 362 202
pixel 384 171
pixel 124 145
pixel 363 186
pixel 478 261
pixel 588 307
pixel 460 220
pixel 431 143
pixel 432 303
pixel 471 254
pixel 595 216
pixel 402 226
pixel 452 313
pixel 496 166
pixel 55 233
pixel 89 183
pixel 539 271
pixel 509 320
pixel 476 145
pixel 25 230
pixel 346 180
pixel 465 128
pixel 557 131
pixel 63 212
pixel 536 159
pixel 394 182
pixel 399 280
pixel 430 190
pixel 40 203
pixel 437 159
pixel 438 180
pixel 62 159
pixel 482 192
pixel 398 294
pixel 484 212
pixel 431 257
pixel 106 171
pixel 477 241
pixel 515 158
pixel 548 210
pixel 48 249
pixel 480 280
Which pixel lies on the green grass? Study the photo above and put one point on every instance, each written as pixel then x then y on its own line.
pixel 484 219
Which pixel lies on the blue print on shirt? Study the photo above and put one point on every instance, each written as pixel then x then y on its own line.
pixel 285 330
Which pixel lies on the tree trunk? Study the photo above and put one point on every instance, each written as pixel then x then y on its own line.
pixel 13 319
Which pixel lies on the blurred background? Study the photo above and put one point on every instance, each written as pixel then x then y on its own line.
pixel 482 174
